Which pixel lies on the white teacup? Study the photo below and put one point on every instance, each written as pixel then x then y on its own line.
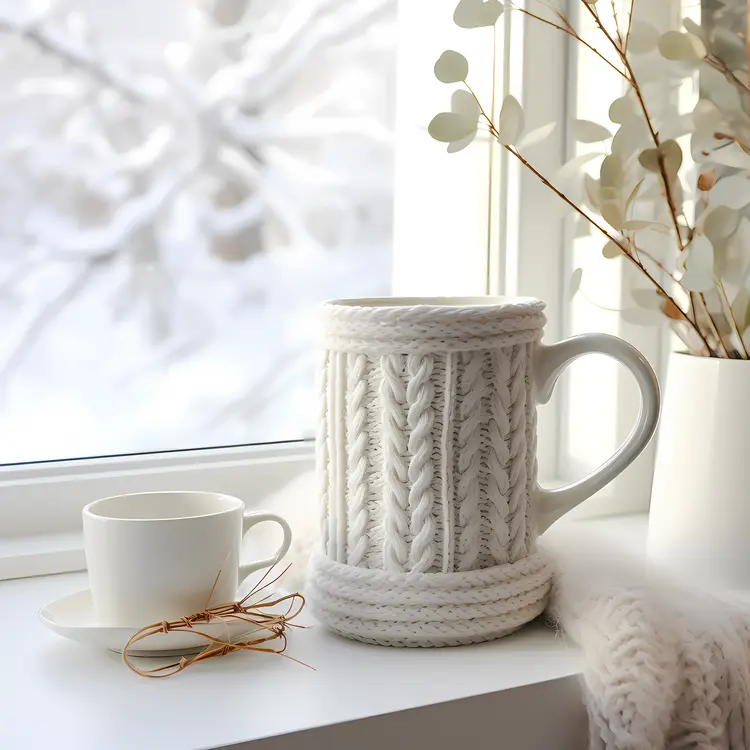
pixel 154 556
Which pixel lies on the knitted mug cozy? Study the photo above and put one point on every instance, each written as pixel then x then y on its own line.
pixel 426 459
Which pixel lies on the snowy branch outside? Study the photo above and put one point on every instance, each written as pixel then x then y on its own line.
pixel 180 185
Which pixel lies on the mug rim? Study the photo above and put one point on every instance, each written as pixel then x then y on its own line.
pixel 478 302
pixel 89 510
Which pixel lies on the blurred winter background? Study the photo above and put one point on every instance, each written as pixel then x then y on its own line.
pixel 181 183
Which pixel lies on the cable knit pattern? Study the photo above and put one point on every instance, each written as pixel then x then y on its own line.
pixel 421 417
pixel 498 457
pixel 395 474
pixel 356 417
pixel 517 473
pixel 426 473
pixel 471 389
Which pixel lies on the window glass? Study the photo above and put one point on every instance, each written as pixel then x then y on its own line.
pixel 181 184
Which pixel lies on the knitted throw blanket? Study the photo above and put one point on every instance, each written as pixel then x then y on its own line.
pixel 664 667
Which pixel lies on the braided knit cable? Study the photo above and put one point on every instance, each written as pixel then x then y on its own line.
pixel 421 416
pixel 395 472
pixel 448 494
pixel 427 609
pixel 517 461
pixel 498 457
pixel 428 328
pixel 469 444
pixel 356 419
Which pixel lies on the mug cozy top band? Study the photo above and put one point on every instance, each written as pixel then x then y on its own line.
pixel 427 328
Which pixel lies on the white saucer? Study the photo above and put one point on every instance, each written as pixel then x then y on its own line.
pixel 73 617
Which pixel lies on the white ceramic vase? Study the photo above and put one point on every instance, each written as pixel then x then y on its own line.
pixel 699 525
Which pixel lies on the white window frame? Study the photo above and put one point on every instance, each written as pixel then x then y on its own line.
pixel 443 244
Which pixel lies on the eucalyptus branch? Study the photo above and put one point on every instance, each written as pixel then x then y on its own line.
pixel 617 25
pixel 662 168
pixel 610 237
pixel 571 32
pixel 630 24
pixel 717 63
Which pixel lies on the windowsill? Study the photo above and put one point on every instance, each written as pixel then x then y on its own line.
pixel 359 695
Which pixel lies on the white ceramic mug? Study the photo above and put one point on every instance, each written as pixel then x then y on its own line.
pixel 427 465
pixel 154 556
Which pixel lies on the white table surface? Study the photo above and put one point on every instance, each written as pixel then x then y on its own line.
pixel 60 695
pixel 522 690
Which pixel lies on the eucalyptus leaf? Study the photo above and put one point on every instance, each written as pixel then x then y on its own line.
pixel 451 67
pixel 464 103
pixel 719 222
pixel 672 155
pixel 675 45
pixel 575 282
pixel 610 250
pixel 630 138
pixel 649 159
pixel 537 135
pixel 636 225
pixel 741 309
pixel 643 38
pixel 450 126
pixel 732 191
pixel 707 117
pixel 611 194
pixel 611 173
pixel 648 299
pixel 510 121
pixel 633 194
pixel 461 143
pixel 473 14
pixel 622 109
pixel 729 156
pixel 693 28
pixel 699 265
pixel 572 169
pixel 592 191
pixel 587 131
pixel 638 316
pixel 612 214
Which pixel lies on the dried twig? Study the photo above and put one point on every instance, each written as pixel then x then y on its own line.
pixel 265 627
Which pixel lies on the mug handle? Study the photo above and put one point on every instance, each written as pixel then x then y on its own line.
pixel 549 362
pixel 250 519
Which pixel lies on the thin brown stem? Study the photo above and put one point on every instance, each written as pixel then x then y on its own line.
pixel 718 64
pixel 617 25
pixel 732 318
pixel 571 32
pixel 630 24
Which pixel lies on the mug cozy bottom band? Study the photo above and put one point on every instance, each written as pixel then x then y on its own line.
pixel 428 609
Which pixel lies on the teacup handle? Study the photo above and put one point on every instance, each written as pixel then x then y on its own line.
pixel 250 519
pixel 549 362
